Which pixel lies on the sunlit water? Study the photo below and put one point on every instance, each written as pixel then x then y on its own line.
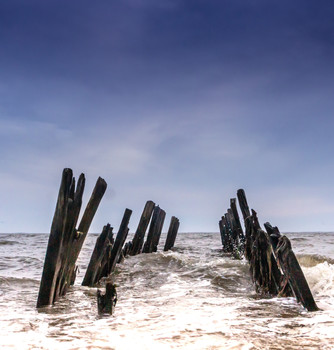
pixel 194 297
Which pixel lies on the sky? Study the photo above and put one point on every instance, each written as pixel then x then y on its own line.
pixel 179 102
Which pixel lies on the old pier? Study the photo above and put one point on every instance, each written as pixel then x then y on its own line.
pixel 273 266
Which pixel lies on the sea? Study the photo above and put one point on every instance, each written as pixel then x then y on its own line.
pixel 193 297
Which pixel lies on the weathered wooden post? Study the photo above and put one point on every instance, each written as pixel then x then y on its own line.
pixel 157 234
pixel 292 271
pixel 104 268
pixel 119 241
pixel 154 231
pixel 172 233
pixel 53 263
pixel 86 220
pixel 238 227
pixel 138 239
pixel 65 241
pixel 92 272
pixel 151 230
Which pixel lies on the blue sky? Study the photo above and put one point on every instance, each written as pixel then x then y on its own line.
pixel 180 102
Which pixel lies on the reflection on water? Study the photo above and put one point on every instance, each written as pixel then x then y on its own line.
pixel 192 298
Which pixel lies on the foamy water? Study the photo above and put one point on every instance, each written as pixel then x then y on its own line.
pixel 194 297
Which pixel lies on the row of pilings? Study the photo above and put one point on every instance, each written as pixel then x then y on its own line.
pixel 67 237
pixel 273 266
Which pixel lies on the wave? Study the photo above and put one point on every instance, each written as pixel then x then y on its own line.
pixel 310 260
pixel 16 286
pixel 321 279
pixel 6 242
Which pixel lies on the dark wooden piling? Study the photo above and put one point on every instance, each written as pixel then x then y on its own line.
pixel 65 241
pixel 104 268
pixel 238 227
pixel 258 251
pixel 225 236
pixel 100 249
pixel 154 225
pixel 86 220
pixel 53 263
pixel 119 241
pixel 291 268
pixel 151 230
pixel 229 247
pixel 263 265
pixel 138 239
pixel 294 278
pixel 106 302
pixel 157 233
pixel 172 233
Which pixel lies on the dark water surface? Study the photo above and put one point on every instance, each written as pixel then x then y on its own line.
pixel 194 297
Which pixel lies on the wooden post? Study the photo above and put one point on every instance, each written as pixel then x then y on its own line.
pixel 152 230
pixel 104 268
pixel 138 239
pixel 293 279
pixel 74 207
pixel 52 263
pixel 86 220
pixel 247 221
pixel 172 232
pixel 99 251
pixel 229 234
pixel 157 234
pixel 224 235
pixel 119 241
pixel 65 241
pixel 235 214
pixel 291 268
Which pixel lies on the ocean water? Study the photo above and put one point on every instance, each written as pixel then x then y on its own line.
pixel 194 297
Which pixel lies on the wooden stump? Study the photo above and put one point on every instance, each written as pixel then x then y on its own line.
pixel 106 302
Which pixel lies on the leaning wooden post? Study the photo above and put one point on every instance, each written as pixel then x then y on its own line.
pixel 119 240
pixel 175 231
pixel 247 221
pixel 104 268
pixel 172 232
pixel 96 258
pixel 157 234
pixel 290 266
pixel 86 220
pixel 138 239
pixel 292 271
pixel 52 263
pixel 235 213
